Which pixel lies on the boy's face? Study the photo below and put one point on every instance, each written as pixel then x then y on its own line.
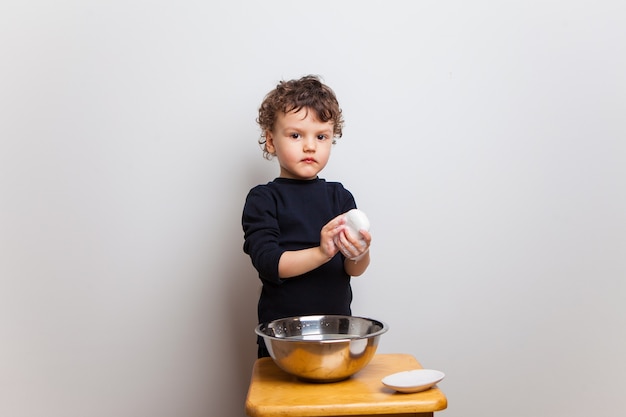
pixel 301 143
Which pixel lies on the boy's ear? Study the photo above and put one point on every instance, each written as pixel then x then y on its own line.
pixel 269 142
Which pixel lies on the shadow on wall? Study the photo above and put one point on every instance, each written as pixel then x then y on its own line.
pixel 241 289
pixel 234 311
pixel 242 298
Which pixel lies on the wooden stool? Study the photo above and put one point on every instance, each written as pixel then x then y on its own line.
pixel 274 393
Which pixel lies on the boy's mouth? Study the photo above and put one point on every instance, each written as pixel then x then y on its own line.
pixel 308 160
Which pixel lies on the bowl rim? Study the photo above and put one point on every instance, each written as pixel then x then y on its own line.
pixel 383 328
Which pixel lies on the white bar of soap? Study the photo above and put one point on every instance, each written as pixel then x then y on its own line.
pixel 357 220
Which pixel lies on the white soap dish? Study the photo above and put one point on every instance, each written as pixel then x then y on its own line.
pixel 413 381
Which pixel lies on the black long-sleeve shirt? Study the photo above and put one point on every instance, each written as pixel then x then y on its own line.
pixel 287 214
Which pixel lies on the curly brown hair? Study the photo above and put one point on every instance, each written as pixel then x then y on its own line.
pixel 306 93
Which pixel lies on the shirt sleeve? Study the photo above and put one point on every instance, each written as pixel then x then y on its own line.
pixel 261 233
pixel 346 198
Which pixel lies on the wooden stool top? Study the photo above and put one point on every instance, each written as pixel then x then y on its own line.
pixel 274 393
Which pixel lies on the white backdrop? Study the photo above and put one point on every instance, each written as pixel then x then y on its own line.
pixel 485 140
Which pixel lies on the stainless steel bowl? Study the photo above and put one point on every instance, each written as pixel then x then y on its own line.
pixel 322 348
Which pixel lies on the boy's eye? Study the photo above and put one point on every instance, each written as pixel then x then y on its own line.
pixel 294 135
pixel 322 137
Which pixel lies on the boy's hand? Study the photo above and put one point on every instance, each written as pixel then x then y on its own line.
pixel 330 235
pixel 353 247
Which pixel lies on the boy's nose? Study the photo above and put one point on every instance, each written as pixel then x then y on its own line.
pixel 309 144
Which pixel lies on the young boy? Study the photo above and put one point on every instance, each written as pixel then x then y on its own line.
pixel 294 227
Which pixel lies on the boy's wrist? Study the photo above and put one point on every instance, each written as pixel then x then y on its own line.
pixel 323 255
pixel 361 256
